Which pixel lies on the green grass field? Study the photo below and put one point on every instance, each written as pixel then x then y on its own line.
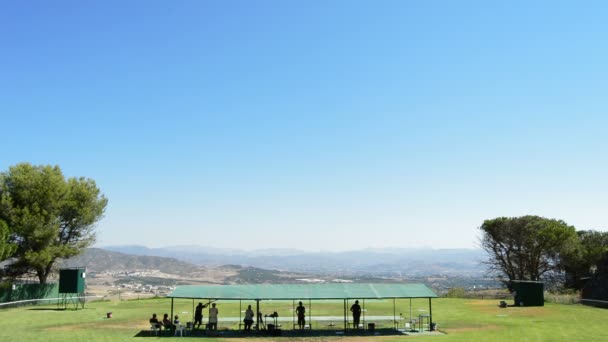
pixel 459 319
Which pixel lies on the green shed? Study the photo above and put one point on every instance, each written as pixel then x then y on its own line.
pixel 72 280
pixel 528 293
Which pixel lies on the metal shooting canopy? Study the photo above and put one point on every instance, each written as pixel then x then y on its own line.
pixel 344 291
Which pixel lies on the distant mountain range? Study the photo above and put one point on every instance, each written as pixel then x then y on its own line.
pixel 377 262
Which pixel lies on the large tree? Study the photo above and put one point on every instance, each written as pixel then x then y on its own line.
pixel 49 216
pixel 581 263
pixel 527 247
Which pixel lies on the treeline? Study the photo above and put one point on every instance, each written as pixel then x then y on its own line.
pixel 45 217
pixel 538 248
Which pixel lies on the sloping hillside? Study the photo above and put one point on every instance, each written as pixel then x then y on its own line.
pixel 99 260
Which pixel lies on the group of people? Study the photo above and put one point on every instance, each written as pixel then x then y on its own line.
pixel 167 324
pixel 355 309
pixel 198 316
pixel 213 313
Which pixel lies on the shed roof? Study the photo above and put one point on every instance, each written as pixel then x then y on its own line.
pixel 303 291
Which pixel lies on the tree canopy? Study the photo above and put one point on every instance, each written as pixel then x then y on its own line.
pixel 527 247
pixel 6 248
pixel 582 261
pixel 48 216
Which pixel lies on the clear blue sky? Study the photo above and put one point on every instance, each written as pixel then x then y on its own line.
pixel 321 125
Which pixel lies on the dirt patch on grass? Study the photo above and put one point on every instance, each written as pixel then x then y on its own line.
pixel 472 328
pixel 91 326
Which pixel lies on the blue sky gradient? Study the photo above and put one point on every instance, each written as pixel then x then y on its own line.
pixel 320 125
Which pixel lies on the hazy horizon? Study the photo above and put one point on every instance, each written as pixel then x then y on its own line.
pixel 304 250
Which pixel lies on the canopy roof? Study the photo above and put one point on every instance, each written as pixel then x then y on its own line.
pixel 303 291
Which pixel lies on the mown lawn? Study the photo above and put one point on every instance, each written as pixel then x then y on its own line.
pixel 459 319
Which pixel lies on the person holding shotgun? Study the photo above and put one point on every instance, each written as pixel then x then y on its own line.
pixel 198 314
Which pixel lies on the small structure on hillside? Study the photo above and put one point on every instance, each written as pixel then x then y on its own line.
pixel 595 291
pixel 528 292
pixel 72 287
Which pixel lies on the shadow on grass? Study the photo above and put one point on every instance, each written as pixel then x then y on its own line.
pixel 48 309
pixel 147 333
pixel 57 309
pixel 277 333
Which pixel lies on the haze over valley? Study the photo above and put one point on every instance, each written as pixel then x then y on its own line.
pixel 141 271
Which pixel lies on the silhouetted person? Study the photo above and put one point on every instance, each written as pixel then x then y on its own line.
pixel 301 312
pixel 248 318
pixel 198 314
pixel 154 321
pixel 213 312
pixel 167 322
pixel 356 310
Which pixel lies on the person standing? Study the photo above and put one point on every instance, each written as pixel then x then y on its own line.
pixel 198 314
pixel 213 312
pixel 356 310
pixel 248 318
pixel 301 312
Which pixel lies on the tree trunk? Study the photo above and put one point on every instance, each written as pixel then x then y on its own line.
pixel 42 275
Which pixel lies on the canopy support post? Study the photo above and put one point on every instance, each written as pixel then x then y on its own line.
pixel 394 316
pixel 364 324
pixel 257 303
pixel 309 315
pixel 346 309
pixel 430 314
pixel 410 310
pixel 345 322
pixel 171 318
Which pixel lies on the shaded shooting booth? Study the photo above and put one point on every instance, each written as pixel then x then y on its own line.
pixel 72 287
pixel 527 292
pixel 345 293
